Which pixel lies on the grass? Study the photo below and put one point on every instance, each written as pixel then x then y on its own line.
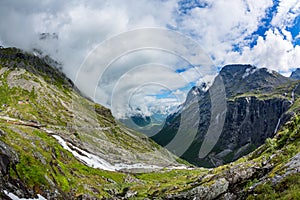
pixel 45 165
pixel 282 91
pixel 68 173
pixel 160 184
pixel 288 188
pixel 62 168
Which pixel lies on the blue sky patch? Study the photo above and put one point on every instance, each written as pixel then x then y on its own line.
pixel 295 30
pixel 265 24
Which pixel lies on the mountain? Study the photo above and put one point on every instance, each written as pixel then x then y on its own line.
pixel 296 74
pixel 144 124
pixel 56 144
pixel 48 128
pixel 141 121
pixel 256 103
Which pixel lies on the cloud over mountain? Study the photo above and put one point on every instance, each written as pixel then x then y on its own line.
pixel 264 33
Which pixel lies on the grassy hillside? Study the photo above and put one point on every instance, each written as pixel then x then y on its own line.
pixel 34 108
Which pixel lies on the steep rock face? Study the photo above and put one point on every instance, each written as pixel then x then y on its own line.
pixel 255 109
pixel 8 161
pixel 249 121
pixel 296 74
pixel 8 157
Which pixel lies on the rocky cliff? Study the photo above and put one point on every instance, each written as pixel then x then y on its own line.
pixel 257 101
pixel 296 74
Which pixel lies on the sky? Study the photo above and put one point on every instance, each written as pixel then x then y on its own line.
pixel 263 33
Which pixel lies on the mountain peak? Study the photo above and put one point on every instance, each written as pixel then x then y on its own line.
pixel 296 74
pixel 233 68
pixel 40 66
pixel 239 79
pixel 256 103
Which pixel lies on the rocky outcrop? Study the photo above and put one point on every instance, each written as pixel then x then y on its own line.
pixel 208 192
pixel 8 161
pixel 290 168
pixel 13 57
pixel 8 158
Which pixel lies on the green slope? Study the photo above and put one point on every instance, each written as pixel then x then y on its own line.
pixel 33 162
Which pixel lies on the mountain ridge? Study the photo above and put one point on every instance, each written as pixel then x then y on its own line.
pixel 253 96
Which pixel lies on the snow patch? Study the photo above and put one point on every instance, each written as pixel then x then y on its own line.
pixel 195 92
pixel 7 118
pixel 85 157
pixel 15 197
pixel 248 99
pixel 248 72
pixel 277 126
pixel 135 166
pixel 269 71
pixel 97 162
pixel 47 130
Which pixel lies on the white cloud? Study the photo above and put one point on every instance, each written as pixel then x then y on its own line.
pixel 273 52
pixel 287 11
pixel 80 25
pixel 224 24
pixel 217 27
pixel 276 51
pixel 139 87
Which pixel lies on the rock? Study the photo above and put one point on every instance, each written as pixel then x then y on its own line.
pixel 224 153
pixel 86 197
pixel 8 160
pixel 240 173
pixel 292 167
pixel 40 157
pixel 294 163
pixel 248 122
pixel 228 196
pixel 131 179
pixel 111 181
pixel 8 157
pixel 49 180
pixel 130 194
pixel 2 133
pixel 206 192
pixel 276 179
pixel 3 70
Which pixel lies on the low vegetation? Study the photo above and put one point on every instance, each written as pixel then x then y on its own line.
pixel 44 165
